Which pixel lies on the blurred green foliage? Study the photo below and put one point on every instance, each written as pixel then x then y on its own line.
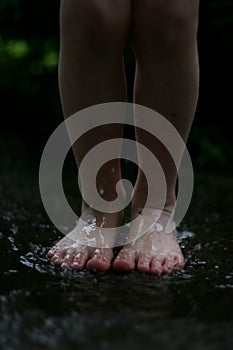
pixel 29 46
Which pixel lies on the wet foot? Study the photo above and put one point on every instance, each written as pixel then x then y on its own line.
pixel 156 252
pixel 78 249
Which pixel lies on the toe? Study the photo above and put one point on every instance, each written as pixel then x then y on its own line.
pixel 68 259
pixel 156 266
pixel 143 264
pixel 100 261
pixel 57 258
pixel 168 265
pixel 172 262
pixel 52 251
pixel 179 262
pixel 125 261
pixel 79 260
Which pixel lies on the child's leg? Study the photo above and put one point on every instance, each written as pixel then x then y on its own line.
pixel 91 71
pixel 164 41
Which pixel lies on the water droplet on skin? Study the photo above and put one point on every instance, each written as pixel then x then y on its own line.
pixel 140 226
pixel 89 241
pixel 74 245
pixel 103 222
pixel 101 191
pixel 158 227
pixel 89 229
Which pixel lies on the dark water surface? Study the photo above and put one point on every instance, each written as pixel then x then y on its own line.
pixel 43 307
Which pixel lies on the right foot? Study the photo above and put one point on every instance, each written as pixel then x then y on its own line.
pixel 69 253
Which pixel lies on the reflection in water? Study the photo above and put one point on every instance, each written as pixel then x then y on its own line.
pixel 42 306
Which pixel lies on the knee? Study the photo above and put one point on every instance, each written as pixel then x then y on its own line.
pixel 179 19
pixel 91 28
pixel 169 26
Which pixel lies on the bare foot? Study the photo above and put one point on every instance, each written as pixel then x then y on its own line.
pixel 156 252
pixel 70 253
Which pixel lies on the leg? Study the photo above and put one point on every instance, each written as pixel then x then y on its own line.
pixel 91 71
pixel 164 42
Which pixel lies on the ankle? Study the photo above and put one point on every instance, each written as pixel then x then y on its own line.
pixel 138 205
pixel 170 204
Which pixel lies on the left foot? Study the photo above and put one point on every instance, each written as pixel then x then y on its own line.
pixel 156 252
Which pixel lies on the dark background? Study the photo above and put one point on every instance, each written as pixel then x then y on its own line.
pixel 29 97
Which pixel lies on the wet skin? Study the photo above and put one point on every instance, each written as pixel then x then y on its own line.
pixel 69 252
pixel 149 247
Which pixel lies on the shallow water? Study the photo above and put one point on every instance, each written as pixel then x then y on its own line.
pixel 43 307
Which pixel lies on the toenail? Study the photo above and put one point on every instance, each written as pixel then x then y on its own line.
pixel 97 257
pixel 64 265
pixel 158 270
pixel 56 261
